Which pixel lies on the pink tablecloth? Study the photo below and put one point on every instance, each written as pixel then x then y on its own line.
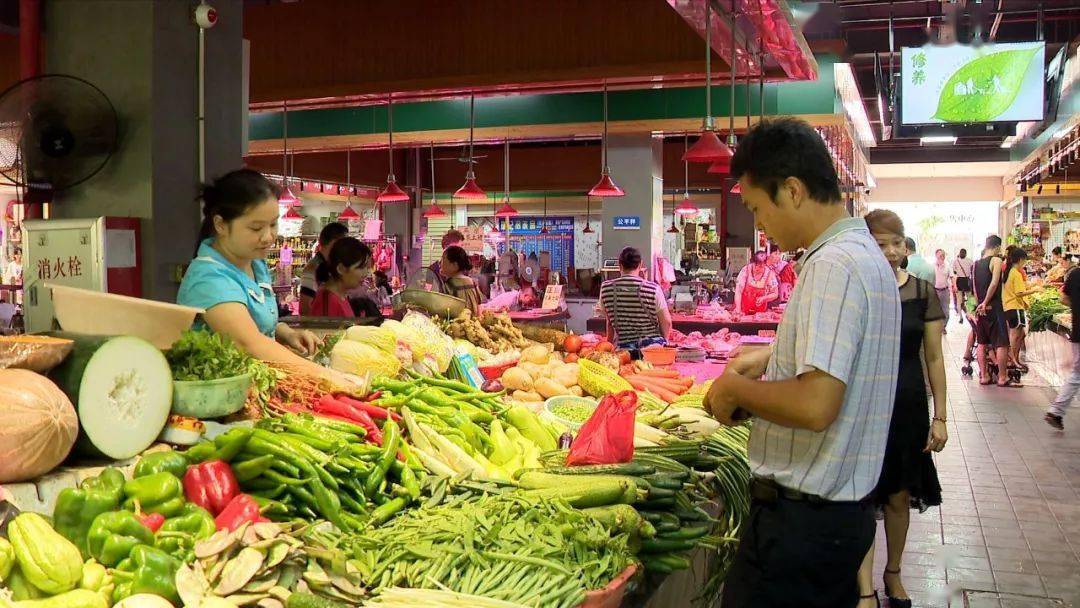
pixel 700 372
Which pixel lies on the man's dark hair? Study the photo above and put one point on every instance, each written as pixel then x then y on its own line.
pixel 629 258
pixel 910 244
pixel 775 150
pixel 993 241
pixel 962 254
pixel 332 232
pixel 1056 251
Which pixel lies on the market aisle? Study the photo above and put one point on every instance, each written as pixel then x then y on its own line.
pixel 1008 533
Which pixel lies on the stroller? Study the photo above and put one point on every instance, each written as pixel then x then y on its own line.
pixel 968 369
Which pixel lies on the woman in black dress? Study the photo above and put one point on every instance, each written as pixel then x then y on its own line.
pixel 908 477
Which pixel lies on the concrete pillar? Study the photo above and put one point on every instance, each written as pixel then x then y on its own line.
pixel 142 55
pixel 636 163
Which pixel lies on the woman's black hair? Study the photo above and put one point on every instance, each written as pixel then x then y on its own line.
pixel 1056 251
pixel 459 257
pixel 1016 254
pixel 231 195
pixel 332 232
pixel 381 280
pixel 346 251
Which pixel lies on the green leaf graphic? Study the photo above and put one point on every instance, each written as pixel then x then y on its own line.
pixel 985 87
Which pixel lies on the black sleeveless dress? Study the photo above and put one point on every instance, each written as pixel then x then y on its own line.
pixel 906 466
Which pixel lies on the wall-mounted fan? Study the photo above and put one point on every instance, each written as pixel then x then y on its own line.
pixel 56 131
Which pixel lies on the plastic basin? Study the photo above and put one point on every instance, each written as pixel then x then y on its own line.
pixel 612 595
pixel 552 402
pixel 210 398
pixel 85 311
pixel 664 355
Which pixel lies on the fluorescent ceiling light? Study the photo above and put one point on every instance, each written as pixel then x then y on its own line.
pixel 848 90
pixel 938 139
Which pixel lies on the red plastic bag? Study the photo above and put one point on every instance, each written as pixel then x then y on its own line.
pixel 608 436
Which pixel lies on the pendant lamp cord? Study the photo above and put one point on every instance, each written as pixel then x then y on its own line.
pixel 285 143
pixel 734 70
pixel 603 147
pixel 708 65
pixel 472 126
pixel 390 129
pixel 433 201
pixel 686 166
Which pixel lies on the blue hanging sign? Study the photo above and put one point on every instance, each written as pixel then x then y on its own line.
pixel 627 222
pixel 522 225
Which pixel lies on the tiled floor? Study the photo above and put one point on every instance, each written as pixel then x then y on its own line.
pixel 1008 532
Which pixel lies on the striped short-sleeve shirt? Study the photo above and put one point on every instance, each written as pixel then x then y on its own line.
pixel 843 319
pixel 631 304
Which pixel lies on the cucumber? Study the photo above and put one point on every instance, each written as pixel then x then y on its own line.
pixel 665 564
pixel 665 527
pixel 661 463
pixel 307 600
pixel 656 492
pixel 664 481
pixel 629 468
pixel 684 533
pixel 115 382
pixel 663 545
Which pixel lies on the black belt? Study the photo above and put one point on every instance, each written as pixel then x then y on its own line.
pixel 770 492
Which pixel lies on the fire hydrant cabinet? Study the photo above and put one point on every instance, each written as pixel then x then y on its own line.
pixel 102 254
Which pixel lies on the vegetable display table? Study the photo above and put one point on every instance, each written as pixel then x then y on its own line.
pixel 539 316
pixel 689 323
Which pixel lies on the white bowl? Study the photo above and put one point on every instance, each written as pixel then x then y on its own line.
pixel 86 311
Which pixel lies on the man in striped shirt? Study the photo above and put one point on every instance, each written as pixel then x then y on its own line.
pixel 824 406
pixel 636 309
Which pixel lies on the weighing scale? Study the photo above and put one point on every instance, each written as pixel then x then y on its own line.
pixel 610 269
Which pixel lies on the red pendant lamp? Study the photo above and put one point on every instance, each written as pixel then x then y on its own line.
pixel 494 236
pixel 708 148
pixel 588 229
pixel 293 214
pixel 507 210
pixel 606 186
pixel 686 207
pixel 736 189
pixel 349 213
pixel 287 198
pixel 471 190
pixel 392 193
pixel 434 210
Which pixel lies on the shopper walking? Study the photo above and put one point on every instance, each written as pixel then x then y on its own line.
pixel 1070 296
pixel 961 273
pixel 1014 301
pixel 916 264
pixel 824 405
pixel 347 264
pixel 908 477
pixel 309 282
pixel 635 308
pixel 992 333
pixel 942 284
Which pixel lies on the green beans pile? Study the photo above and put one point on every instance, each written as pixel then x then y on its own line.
pixel 507 547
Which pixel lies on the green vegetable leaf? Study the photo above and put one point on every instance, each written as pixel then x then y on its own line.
pixel 985 87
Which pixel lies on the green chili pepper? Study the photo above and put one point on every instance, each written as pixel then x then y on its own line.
pixel 387 510
pixel 170 461
pixel 250 469
pixel 230 443
pixel 201 452
pixel 391 440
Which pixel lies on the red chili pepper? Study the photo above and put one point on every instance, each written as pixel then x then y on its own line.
pixel 153 521
pixel 240 510
pixel 329 405
pixel 376 412
pixel 211 485
pixel 373 396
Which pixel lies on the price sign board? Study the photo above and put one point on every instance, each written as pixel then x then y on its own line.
pixel 552 297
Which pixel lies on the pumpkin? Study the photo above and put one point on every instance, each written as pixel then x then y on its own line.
pixel 38 425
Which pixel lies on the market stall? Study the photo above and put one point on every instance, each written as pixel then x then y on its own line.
pixel 239 483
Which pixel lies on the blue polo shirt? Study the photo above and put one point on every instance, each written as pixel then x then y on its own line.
pixel 211 280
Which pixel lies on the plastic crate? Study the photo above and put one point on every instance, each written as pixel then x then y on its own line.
pixel 612 595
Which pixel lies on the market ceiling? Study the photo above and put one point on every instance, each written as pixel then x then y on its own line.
pixel 860 31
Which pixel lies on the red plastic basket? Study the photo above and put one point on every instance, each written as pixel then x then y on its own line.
pixel 612 595
pixel 496 372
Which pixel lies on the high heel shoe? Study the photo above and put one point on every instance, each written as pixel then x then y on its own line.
pixel 894 602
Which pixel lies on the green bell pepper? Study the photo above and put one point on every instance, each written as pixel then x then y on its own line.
pixel 148 570
pixel 157 493
pixel 76 508
pixel 169 461
pixel 178 535
pixel 7 558
pixel 114 534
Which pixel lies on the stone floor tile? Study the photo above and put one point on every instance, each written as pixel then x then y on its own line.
pixel 1026 584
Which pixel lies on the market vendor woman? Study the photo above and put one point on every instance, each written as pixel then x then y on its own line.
pixel 229 277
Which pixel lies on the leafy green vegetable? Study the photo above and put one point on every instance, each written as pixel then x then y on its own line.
pixel 204 355
pixel 985 87
pixel 1044 306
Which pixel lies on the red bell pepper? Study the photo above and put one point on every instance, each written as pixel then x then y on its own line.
pixel 153 521
pixel 211 485
pixel 376 412
pixel 329 405
pixel 240 510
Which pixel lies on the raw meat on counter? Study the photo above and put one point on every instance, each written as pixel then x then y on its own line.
pixel 723 340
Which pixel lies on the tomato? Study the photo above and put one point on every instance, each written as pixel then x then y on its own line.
pixel 605 347
pixel 572 343
pixel 570 358
pixel 624 357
